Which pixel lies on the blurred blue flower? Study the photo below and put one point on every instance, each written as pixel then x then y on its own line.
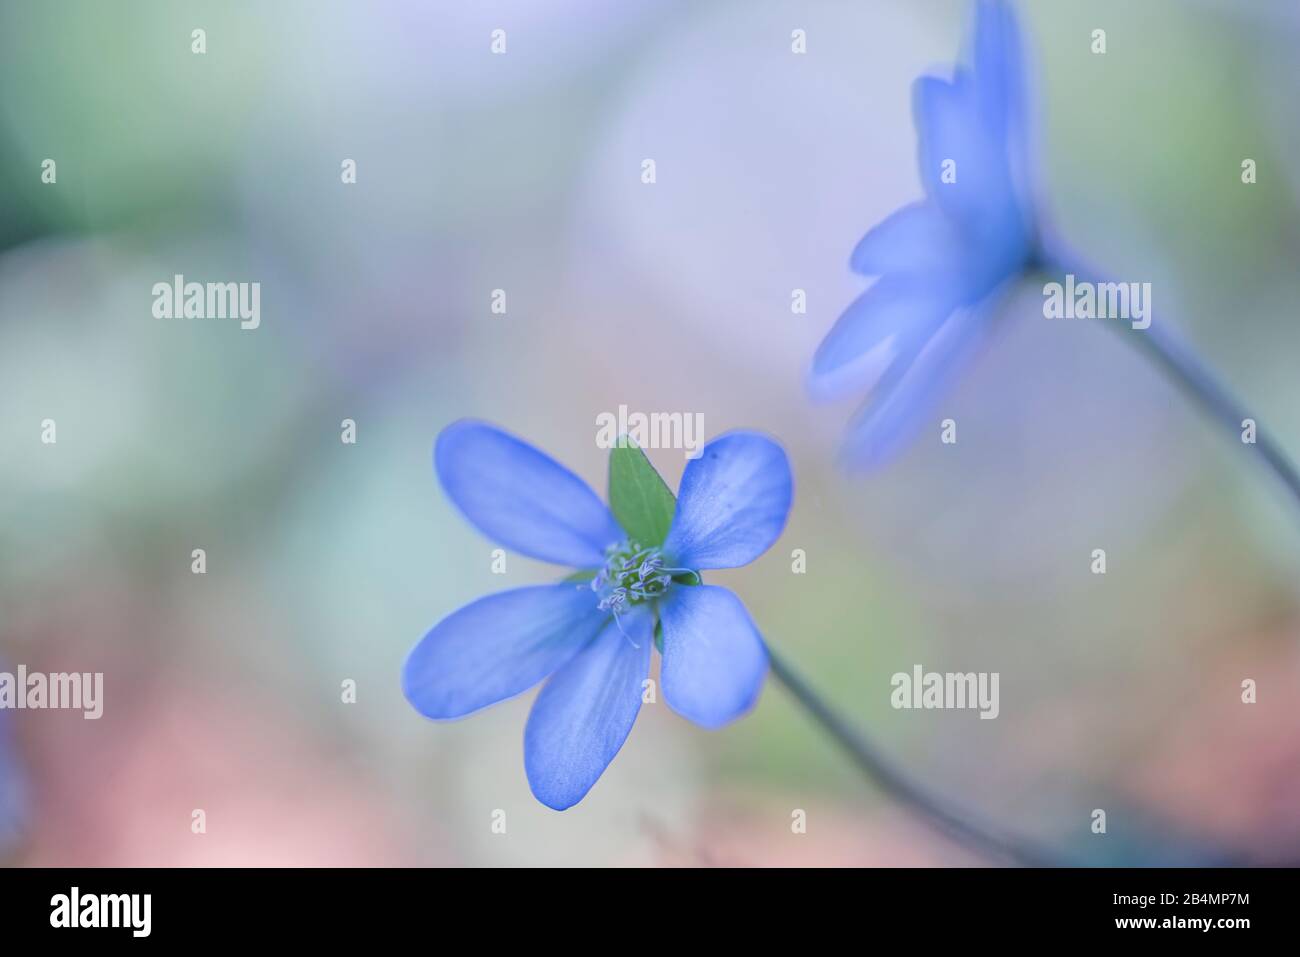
pixel 593 637
pixel 943 261
pixel 13 797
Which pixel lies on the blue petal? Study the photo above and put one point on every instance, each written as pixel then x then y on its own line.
pixel 498 647
pixel 714 658
pixel 917 240
pixel 522 498
pixel 585 712
pixel 906 398
pixel 950 127
pixel 1002 80
pixel 1000 71
pixel 886 325
pixel 732 503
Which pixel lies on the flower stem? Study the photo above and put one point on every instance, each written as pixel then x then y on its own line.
pixel 946 817
pixel 1179 361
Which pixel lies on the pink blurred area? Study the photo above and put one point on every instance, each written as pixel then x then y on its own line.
pixel 746 834
pixel 122 790
pixel 1228 769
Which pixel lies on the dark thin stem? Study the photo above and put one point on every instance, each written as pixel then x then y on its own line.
pixel 952 821
pixel 1185 367
pixel 1188 371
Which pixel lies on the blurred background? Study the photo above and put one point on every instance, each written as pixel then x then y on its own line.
pixel 522 172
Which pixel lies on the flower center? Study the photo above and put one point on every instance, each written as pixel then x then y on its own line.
pixel 632 574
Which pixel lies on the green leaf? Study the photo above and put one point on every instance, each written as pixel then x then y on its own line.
pixel 638 496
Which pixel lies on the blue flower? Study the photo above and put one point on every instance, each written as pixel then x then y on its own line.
pixel 593 638
pixel 941 262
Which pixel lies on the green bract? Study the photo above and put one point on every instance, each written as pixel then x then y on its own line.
pixel 638 496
